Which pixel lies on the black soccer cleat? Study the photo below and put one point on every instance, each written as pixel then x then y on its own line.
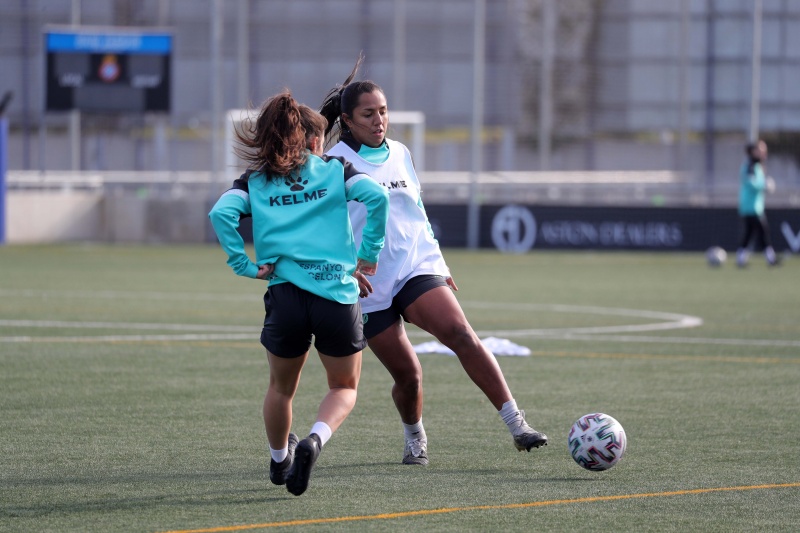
pixel 278 471
pixel 304 458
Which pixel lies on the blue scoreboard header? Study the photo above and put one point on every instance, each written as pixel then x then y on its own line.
pixel 97 69
pixel 107 42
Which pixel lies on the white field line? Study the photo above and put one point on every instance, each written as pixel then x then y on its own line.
pixel 127 295
pixel 664 321
pixel 64 324
pixel 667 321
pixel 774 343
pixel 136 338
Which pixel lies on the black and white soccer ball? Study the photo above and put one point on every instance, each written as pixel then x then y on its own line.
pixel 716 256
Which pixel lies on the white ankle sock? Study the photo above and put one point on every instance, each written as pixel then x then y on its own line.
pixel 323 431
pixel 510 414
pixel 741 256
pixel 414 431
pixel 278 455
pixel 770 253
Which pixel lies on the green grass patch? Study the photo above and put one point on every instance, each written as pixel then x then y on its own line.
pixel 132 380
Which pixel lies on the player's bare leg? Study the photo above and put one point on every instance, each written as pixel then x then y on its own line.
pixel 439 313
pixel 395 352
pixel 393 349
pixel 344 374
pixel 284 376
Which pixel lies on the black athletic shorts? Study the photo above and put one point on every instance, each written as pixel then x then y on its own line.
pixel 293 315
pixel 379 321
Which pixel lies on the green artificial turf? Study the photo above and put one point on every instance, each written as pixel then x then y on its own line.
pixel 131 382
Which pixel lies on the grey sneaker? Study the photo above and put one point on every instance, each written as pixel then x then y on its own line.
pixel 304 458
pixel 278 471
pixel 416 452
pixel 525 437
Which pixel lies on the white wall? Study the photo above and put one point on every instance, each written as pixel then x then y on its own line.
pixel 53 216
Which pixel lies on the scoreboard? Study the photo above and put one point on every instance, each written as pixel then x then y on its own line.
pixel 107 70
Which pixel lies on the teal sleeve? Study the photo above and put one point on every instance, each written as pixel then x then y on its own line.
pixel 224 218
pixel 375 198
pixel 428 222
pixel 758 181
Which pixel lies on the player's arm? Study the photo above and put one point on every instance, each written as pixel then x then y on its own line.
pixel 427 222
pixel 419 198
pixel 375 198
pixel 758 179
pixel 360 187
pixel 449 280
pixel 225 216
pixel 753 177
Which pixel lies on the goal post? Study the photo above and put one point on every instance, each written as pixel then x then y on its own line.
pixel 409 126
pixel 3 170
pixel 233 120
pixel 414 123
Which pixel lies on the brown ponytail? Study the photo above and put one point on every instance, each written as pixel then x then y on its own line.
pixel 275 143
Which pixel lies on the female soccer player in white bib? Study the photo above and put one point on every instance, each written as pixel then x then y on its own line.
pixel 304 246
pixel 414 283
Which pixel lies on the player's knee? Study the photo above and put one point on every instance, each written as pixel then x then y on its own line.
pixel 343 382
pixel 461 338
pixel 410 381
pixel 344 390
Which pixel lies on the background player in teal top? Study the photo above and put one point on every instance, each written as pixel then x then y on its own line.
pixel 304 244
pixel 753 183
pixel 414 283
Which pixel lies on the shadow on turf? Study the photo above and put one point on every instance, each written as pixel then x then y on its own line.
pixel 200 499
pixel 150 483
pixel 263 494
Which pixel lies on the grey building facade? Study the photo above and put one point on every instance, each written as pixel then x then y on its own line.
pixel 569 84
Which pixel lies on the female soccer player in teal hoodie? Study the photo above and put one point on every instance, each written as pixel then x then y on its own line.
pixel 304 246
pixel 753 183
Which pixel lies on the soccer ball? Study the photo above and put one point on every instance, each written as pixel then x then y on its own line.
pixel 597 441
pixel 716 256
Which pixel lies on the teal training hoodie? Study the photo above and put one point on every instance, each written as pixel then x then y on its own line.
pixel 301 223
pixel 752 184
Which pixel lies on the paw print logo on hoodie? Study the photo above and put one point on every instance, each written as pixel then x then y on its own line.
pixel 295 183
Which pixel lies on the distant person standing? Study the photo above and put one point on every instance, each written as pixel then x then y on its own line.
pixel 753 183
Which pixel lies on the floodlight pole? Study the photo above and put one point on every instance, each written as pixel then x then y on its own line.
pixel 75 114
pixel 479 63
pixel 216 91
pixel 242 50
pixel 756 72
pixel 3 169
pixel 399 95
pixel 215 177
pixel 710 100
pixel 683 89
pixel 160 130
pixel 549 23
